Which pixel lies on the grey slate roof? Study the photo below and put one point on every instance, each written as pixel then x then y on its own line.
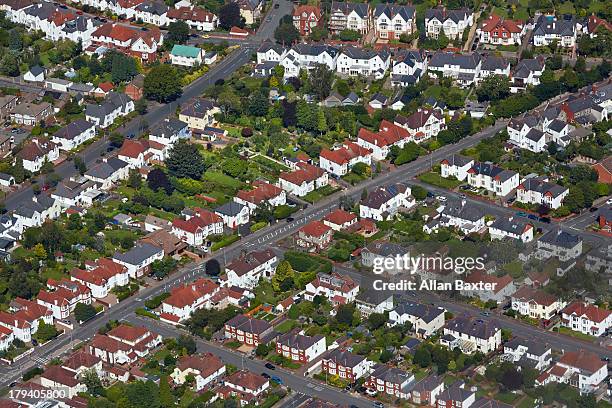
pixel 492 62
pixel 561 238
pixel 385 248
pixel 454 393
pixel 546 25
pixel 347 8
pixel 458 160
pixel 153 7
pixel 168 128
pixel 526 66
pixel 138 254
pixel 390 374
pixel 73 129
pixel 391 10
pixel 489 169
pixel 197 108
pixel 294 339
pixel 455 208
pixel 106 169
pixel 383 194
pixel 511 225
pixel 231 209
pixel 557 125
pixel 535 134
pixel 344 358
pixel 538 184
pixel 315 49
pixel 427 313
pixel 269 45
pixel 364 53
pixel 537 348
pixel 464 61
pixel 36 70
pixel 473 327
pixel 442 14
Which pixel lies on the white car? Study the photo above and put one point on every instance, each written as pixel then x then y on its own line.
pixel 609 201
pixel 441 198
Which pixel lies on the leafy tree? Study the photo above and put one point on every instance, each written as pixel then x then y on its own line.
pixel 141 106
pixel 80 165
pixel 121 67
pixel 162 83
pixel 419 193
pixel 134 179
pixel 422 357
pixel 284 272
pixel 258 104
pixel 116 139
pixel 157 179
pixel 376 321
pixel 15 40
pixel 83 312
pixel 512 379
pixel 320 81
pixel 234 166
pixel 185 161
pixel 286 34
pixel 493 88
pixel 142 395
pixel 385 356
pixel 178 32
pixel 212 267
pixel 318 33
pixel 349 35
pixel 345 314
pixel 10 65
pixel 186 343
pixel 46 332
pixel 166 399
pixel 229 16
pixel 262 350
pixel 93 383
pixel 162 267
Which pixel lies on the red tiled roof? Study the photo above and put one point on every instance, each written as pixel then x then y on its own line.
pixel 131 148
pixel 528 294
pixel 263 192
pixel 481 276
pixel 592 312
pixel 106 86
pixel 345 154
pixel 584 360
pixel 594 22
pixel 246 379
pixel 207 364
pixel 495 22
pixel 103 342
pixel 305 173
pixel 315 229
pixel 128 333
pixel 308 9
pixel 340 217
pixel 191 14
pixel 60 375
pixel 79 359
pixel 124 33
pixel 190 293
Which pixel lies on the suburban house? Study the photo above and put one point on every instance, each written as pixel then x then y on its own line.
pixel 559 244
pixel 133 41
pixel 377 252
pixel 526 73
pixel 422 124
pixel 425 319
pixel 81 361
pixel 392 381
pixel 206 368
pixel 269 51
pixel 356 61
pixel 457 214
pixel 314 236
pixel 457 395
pixel 196 18
pixel 339 219
pixel 138 260
pixel 296 346
pixel 76 192
pixel 198 113
pixel 451 22
pixel 550 28
pixel 581 369
pixel 539 191
pixel 528 353
pixel 385 202
pixel 233 214
pixel 74 134
pixel 196 226
pixel 346 365
pixel 247 330
pixel 186 55
pixel 345 15
pixel 37 152
pixel 303 180
pixel 55 377
pixel 35 74
pixel 380 143
pixel 263 194
pixel 339 161
pixel 393 20
pixel 526 132
pixel 511 227
pixel 245 386
pixel 408 67
pixel 108 172
pixel 186 299
pixel 471 335
pixel 503 286
pixel 456 166
pixel 463 68
pixel 493 178
pixel 586 318
pixel 246 271
pixel 101 276
pixel 536 303
pixel 307 57
pixel 250 10
pixel 31 114
pixel 152 12
pixel 337 288
pixel 63 297
pixel 135 88
pixel 306 17
pixel 169 131
pixel 427 390
pixel 373 301
pixel 114 106
pixel 501 31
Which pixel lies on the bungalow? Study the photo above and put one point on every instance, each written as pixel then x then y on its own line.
pixel 207 369
pixel 511 227
pixel 471 335
pixel 296 346
pixel 528 353
pixel 346 365
pixel 303 180
pixel 337 288
pixel 493 178
pixel 248 330
pixel 246 271
pixel 586 318
pixel 37 152
pixel 196 18
pixel 423 124
pixel 583 370
pixel 385 202
pixel 233 214
pixel 539 191
pixel 186 55
pixel 391 381
pixel 74 134
pixel 263 194
pixel 456 166
pixel 138 260
pixel 339 219
pixel 314 236
pixel 198 113
pixel 393 20
pixel 451 22
pixel 501 31
pixel 426 320
pixel 536 303
pixel 186 299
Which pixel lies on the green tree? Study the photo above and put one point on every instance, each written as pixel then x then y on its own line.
pixel 141 106
pixel 321 121
pixel 80 165
pixel 178 32
pixel 162 83
pixel 186 343
pixel 345 314
pixel 493 88
pixel 229 16
pixel 419 193
pixel 286 34
pixel 258 104
pixel 184 160
pixel 134 179
pixel 166 399
pixel 376 321
pixel 46 332
pixel 385 356
pixel 84 312
pixel 320 81
pixel 116 139
pixel 422 357
pixel 283 272
pixel 10 65
pixel 93 383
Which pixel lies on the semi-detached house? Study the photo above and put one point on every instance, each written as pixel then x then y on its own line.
pixel 36 152
pixel 528 353
pixel 303 180
pixel 583 370
pixel 586 318
pixel 526 73
pixel 74 134
pixel 456 166
pixel 501 31
pixel 536 303
pixel 354 61
pixel 196 18
pixel 263 194
pixel 346 365
pixel 463 68
pixel 248 330
pixel 408 66
pixel 339 161
pixel 186 299
pixel 551 28
pixel 314 236
pixel 206 370
pixel 296 346
pixel 391 381
pixel 471 335
pixel 493 178
pixel 380 143
pixel 307 57
pixel 345 15
pixel 426 320
pixel 108 172
pixel 337 288
pixel 63 297
pixel 198 113
pixel 393 20
pixel 138 260
pixel 539 191
pixel 451 22
pixel 134 41
pixel 101 276
pixel 246 271
pixel 114 106
pixel 152 12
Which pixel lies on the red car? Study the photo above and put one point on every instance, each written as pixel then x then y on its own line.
pixel 79 12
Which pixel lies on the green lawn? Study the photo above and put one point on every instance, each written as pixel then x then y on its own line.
pixel 222 179
pixel 436 179
pixel 319 194
pixel 515 269
pixel 526 402
pixel 225 241
pixel 569 332
pixel 286 326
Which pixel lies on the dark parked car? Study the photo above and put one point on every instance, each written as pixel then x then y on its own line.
pixel 276 5
pixel 545 220
pixel 593 209
pixel 270 366
pixel 265 375
pixel 533 217
pixel 290 219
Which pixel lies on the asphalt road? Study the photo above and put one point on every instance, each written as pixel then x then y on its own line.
pixel 295 382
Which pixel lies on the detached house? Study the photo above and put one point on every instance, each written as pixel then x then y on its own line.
pixel 501 31
pixel 245 386
pixel 380 143
pixel 134 41
pixel 426 320
pixel 427 390
pixel 314 236
pixel 246 271
pixel 451 22
pixel 550 28
pixel 408 67
pixel 457 395
pixel 114 106
pixel 583 370
pixel 170 131
pixel 463 68
pixel 250 10
pixel 586 318
pixel 526 73
pixel 337 288
pixel 152 12
pixel 138 260
pixel 346 365
pixel 101 277
pixel 36 152
pixel 385 202
pixel 393 20
pixel 306 17
pixel 56 377
pixel 493 178
pixel 526 132
pixel 196 18
pixel 186 299
pixel 198 113
pixel 207 369
pixel 248 330
pixel 456 166
pixel 64 297
pixel 233 214
pixel 456 214
pixel 354 61
pixel 339 219
pixel 345 15
pixel 339 161
pixel 528 353
pixel 471 335
pixel 186 55
pixel 307 57
pixel 503 286
pixel 108 172
pixel 74 134
pixel 422 124
pixel 539 191
pixel 197 225
pixel 303 180
pixel 511 227
pixel 536 303
pixel 263 194
pixel 296 346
